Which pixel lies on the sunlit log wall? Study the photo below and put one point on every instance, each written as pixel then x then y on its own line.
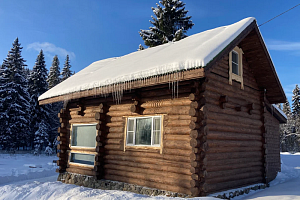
pixel 168 168
pixel 235 156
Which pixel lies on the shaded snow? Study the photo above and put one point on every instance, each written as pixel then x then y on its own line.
pixel 24 167
pixel 192 52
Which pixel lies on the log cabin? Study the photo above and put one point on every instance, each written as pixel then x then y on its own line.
pixel 194 116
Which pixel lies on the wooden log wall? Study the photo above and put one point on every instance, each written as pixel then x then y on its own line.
pixel 63 138
pixel 235 154
pixel 198 138
pixel 272 138
pixel 168 168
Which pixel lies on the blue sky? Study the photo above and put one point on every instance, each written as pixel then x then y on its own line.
pixel 92 30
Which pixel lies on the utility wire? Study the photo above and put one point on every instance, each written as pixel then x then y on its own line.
pixel 279 15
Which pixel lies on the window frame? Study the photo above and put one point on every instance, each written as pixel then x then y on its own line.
pixel 154 148
pixel 232 76
pixel 134 131
pixel 81 149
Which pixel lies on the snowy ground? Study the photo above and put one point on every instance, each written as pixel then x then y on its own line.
pixel 30 177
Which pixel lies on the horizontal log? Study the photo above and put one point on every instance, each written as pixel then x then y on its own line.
pixel 199 175
pixel 149 160
pixel 88 115
pixel 62 138
pixel 216 168
pixel 148 172
pixel 115 135
pixel 178 152
pixel 232 162
pixel 62 147
pixel 248 120
pixel 166 103
pixel 177 130
pixel 162 168
pixel 185 138
pixel 83 120
pixel 176 117
pixel 221 149
pixel 235 129
pixel 113 147
pixel 177 144
pixel 116 129
pixel 227 178
pixel 230 143
pixel 165 91
pixel 231 112
pixel 61 162
pixel 171 110
pixel 114 141
pixel 230 155
pixel 195 143
pixel 185 183
pixel 214 135
pixel 147 183
pixel 110 119
pixel 119 113
pixel 233 172
pixel 116 124
pixel 120 107
pixel 176 123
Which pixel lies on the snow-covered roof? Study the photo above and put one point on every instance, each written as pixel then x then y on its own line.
pixel 192 52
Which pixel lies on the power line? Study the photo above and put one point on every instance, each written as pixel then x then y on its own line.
pixel 279 15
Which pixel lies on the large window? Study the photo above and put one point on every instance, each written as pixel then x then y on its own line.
pixel 143 131
pixel 83 143
pixel 84 135
pixel 236 66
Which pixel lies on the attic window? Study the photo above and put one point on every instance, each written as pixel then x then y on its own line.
pixel 236 66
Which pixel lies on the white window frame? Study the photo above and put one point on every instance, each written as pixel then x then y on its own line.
pixel 75 147
pixel 152 131
pixel 81 149
pixel 232 76
pixel 81 163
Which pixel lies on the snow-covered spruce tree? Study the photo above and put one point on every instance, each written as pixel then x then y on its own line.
pixel 53 80
pixel 54 73
pixel 296 101
pixel 14 99
pixel 66 72
pixel 37 86
pixel 41 137
pixel 170 23
pixel 286 129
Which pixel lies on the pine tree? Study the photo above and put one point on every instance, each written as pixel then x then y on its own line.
pixel 53 80
pixel 41 137
pixel 37 86
pixel 14 99
pixel 66 72
pixel 54 73
pixel 170 24
pixel 296 102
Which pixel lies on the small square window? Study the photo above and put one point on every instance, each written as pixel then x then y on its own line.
pixel 144 131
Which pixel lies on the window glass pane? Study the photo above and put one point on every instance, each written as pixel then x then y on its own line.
pixel 156 124
pixel 156 137
pixel 235 68
pixel 235 57
pixel 82 158
pixel 84 135
pixel 130 137
pixel 130 124
pixel 143 131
